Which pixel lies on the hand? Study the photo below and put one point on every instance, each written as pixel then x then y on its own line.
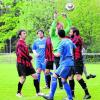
pixel 36 54
pixel 64 15
pixel 46 60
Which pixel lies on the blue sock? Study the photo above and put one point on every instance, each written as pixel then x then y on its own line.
pixel 38 75
pixel 53 87
pixel 51 73
pixel 67 89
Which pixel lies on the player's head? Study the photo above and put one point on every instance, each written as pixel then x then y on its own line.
pixel 22 34
pixel 61 33
pixel 59 26
pixel 40 33
pixel 74 31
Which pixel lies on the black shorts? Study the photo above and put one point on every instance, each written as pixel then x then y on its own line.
pixel 49 65
pixel 56 61
pixel 79 66
pixel 72 71
pixel 25 71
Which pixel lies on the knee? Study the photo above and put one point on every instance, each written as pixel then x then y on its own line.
pixel 47 71
pixel 54 75
pixel 38 70
pixel 70 78
pixel 63 81
pixel 22 79
pixel 78 77
pixel 35 76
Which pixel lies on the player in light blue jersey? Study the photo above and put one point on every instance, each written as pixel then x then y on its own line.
pixel 65 52
pixel 38 49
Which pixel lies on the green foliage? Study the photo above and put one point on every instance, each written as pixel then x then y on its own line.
pixel 32 15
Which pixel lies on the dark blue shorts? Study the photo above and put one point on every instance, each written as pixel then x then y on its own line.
pixel 63 72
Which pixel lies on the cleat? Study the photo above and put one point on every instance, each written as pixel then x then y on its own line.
pixel 67 99
pixel 19 95
pixel 39 94
pixel 46 87
pixel 87 97
pixel 47 97
pixel 61 88
pixel 73 96
pixel 90 76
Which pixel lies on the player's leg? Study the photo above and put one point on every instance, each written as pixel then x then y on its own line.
pixel 53 85
pixel 78 73
pixel 71 81
pixel 49 65
pixel 64 73
pixel 38 69
pixel 36 84
pixel 88 76
pixel 22 74
pixel 56 60
pixel 48 78
pixel 20 85
pixel 83 85
pixel 85 71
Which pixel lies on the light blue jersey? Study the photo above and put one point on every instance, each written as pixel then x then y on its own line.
pixel 66 48
pixel 40 46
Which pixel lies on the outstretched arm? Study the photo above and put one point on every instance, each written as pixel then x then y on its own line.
pixel 69 23
pixel 53 26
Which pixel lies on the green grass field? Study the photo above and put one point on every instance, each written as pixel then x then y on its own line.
pixel 9 80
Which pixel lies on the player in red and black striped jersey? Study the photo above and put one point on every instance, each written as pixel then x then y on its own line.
pixel 76 38
pixel 24 65
pixel 49 56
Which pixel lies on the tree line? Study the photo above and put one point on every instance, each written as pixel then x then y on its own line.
pixel 38 14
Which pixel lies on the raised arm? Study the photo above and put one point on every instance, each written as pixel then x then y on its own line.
pixel 53 26
pixel 69 23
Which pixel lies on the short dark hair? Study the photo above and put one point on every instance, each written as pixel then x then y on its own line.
pixel 19 32
pixel 75 30
pixel 61 33
pixel 40 31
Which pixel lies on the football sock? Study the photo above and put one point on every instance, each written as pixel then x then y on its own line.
pixel 19 87
pixel 53 87
pixel 72 86
pixel 67 89
pixel 48 80
pixel 83 85
pixel 37 86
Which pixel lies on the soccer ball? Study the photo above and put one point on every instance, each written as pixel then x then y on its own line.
pixel 70 6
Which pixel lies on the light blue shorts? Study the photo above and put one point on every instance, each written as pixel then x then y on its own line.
pixel 41 65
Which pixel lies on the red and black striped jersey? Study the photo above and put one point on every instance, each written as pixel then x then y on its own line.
pixel 49 50
pixel 78 42
pixel 22 53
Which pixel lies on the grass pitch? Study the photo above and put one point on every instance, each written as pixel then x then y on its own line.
pixel 9 80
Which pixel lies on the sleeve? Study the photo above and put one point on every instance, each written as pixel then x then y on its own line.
pixel 34 46
pixel 60 48
pixel 69 24
pixel 53 28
